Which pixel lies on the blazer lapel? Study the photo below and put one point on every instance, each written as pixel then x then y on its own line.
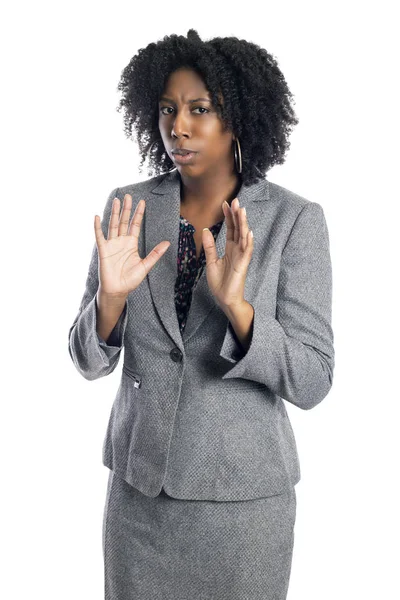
pixel 161 222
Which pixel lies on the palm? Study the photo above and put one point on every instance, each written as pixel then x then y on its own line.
pixel 121 269
pixel 225 276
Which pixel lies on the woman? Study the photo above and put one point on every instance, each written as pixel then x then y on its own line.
pixel 201 501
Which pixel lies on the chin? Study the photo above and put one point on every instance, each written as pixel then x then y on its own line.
pixel 187 169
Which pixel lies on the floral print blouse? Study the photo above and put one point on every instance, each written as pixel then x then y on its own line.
pixel 189 268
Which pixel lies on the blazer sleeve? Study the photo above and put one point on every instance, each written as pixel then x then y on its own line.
pixel 92 356
pixel 293 353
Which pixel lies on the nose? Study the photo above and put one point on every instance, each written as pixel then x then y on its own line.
pixel 179 127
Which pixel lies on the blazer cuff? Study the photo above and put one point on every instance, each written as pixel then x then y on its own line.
pixel 93 356
pixel 265 332
pixel 291 369
pixel 231 349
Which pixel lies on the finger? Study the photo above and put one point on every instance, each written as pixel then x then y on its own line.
pixel 134 228
pixel 250 244
pixel 210 249
pixel 125 215
pixel 150 260
pixel 98 232
pixel 230 224
pixel 236 218
pixel 114 219
pixel 244 229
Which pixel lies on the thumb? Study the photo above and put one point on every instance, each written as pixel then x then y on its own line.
pixel 210 249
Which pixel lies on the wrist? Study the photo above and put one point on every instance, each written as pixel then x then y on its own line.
pixel 233 310
pixel 108 299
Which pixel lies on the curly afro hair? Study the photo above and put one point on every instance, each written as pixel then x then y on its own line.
pixel 257 101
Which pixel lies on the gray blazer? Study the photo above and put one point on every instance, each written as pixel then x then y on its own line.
pixel 195 413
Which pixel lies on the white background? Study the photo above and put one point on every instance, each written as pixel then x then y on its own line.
pixel 64 150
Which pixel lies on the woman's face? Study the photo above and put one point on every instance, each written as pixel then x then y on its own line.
pixel 193 125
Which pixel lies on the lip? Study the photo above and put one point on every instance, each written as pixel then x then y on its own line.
pixel 182 148
pixel 183 159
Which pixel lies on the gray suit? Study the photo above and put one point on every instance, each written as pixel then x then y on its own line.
pixel 194 413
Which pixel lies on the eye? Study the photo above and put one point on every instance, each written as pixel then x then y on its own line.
pixel 170 107
pixel 201 108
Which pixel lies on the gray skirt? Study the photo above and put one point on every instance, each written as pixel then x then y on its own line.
pixel 165 548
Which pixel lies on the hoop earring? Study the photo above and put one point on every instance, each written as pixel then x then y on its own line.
pixel 155 141
pixel 238 156
pixel 149 151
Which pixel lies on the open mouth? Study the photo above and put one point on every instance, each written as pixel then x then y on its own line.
pixel 183 158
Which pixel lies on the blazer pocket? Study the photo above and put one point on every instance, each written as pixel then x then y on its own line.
pixel 248 386
pixel 135 376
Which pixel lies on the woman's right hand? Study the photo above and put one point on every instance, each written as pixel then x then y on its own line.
pixel 121 270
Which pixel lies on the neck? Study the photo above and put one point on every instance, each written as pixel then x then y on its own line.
pixel 206 195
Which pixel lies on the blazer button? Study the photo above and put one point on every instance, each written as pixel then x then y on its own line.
pixel 176 354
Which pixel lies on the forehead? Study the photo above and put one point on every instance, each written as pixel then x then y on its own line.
pixel 186 84
pixel 185 81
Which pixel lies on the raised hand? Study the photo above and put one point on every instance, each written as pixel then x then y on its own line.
pixel 226 276
pixel 121 269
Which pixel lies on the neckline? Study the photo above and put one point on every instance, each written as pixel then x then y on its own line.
pixel 181 218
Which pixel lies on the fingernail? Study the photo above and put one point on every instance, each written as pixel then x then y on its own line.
pixel 244 209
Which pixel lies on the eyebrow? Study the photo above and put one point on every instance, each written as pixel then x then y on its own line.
pixel 190 101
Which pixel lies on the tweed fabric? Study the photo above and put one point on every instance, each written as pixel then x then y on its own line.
pixel 194 413
pixel 164 548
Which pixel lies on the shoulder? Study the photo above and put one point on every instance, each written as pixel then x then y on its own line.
pixel 282 211
pixel 283 196
pixel 140 187
pixel 137 190
pixel 288 205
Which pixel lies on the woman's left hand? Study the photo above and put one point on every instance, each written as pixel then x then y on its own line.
pixel 226 276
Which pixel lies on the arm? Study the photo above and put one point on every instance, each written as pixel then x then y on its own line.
pixel 293 353
pixel 91 354
pixel 108 313
pixel 241 319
